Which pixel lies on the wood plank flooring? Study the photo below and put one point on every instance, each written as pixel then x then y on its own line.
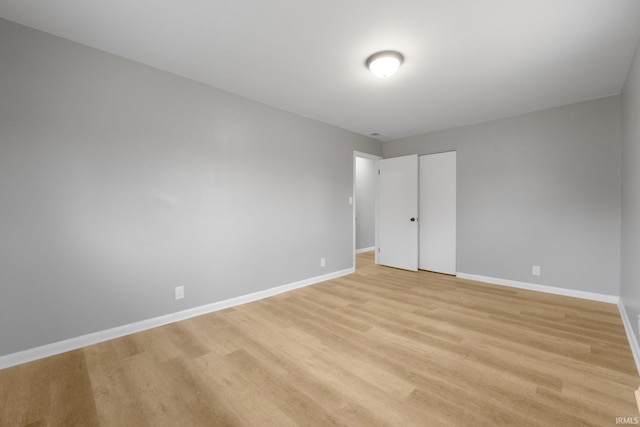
pixel 378 347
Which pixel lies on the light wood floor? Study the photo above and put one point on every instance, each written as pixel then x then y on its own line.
pixel 379 347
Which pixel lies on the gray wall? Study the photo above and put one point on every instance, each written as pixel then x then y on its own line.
pixel 630 252
pixel 119 182
pixel 365 202
pixel 538 189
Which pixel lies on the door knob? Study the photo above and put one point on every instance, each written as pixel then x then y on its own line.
pixel 413 219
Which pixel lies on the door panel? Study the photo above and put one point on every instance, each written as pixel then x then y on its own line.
pixel 397 243
pixel 438 212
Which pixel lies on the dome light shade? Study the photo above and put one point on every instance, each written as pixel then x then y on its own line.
pixel 384 64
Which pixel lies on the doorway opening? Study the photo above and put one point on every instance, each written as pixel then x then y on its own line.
pixel 365 171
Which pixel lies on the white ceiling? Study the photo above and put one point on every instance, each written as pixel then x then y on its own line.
pixel 466 61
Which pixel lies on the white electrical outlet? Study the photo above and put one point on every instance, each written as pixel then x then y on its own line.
pixel 322 262
pixel 535 270
pixel 179 292
pixel 350 200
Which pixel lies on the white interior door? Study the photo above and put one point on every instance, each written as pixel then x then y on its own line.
pixel 397 243
pixel 438 212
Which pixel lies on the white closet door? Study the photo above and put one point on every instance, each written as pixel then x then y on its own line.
pixel 397 242
pixel 438 212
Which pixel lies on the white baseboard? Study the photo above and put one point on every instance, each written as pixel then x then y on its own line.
pixel 120 331
pixel 359 251
pixel 631 336
pixel 542 288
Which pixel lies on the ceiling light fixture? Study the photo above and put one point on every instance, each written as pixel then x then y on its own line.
pixel 384 64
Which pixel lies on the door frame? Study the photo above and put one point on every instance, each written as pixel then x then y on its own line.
pixel 353 216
